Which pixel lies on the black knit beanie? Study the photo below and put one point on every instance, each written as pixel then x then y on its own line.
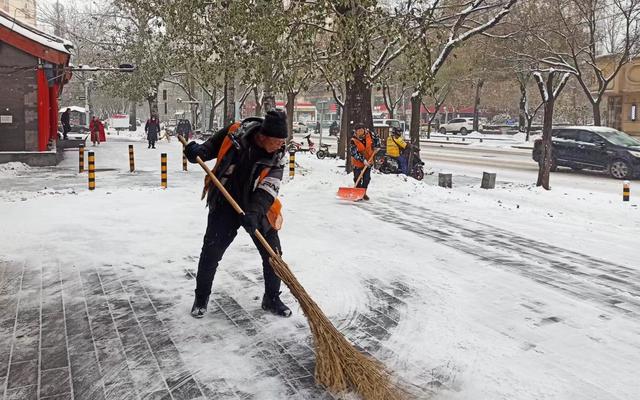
pixel 275 124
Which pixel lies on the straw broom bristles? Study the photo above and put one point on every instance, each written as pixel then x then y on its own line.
pixel 339 366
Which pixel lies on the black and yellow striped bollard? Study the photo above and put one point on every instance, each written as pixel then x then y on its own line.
pixel 163 170
pixel 92 171
pixel 626 190
pixel 292 163
pixel 132 164
pixel 81 158
pixel 184 159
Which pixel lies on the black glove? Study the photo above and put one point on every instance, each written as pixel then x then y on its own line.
pixel 250 222
pixel 191 151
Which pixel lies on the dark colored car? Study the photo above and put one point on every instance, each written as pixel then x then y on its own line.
pixel 593 147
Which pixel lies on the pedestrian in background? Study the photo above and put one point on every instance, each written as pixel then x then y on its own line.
pixel 97 130
pixel 152 128
pixel 65 120
pixel 363 146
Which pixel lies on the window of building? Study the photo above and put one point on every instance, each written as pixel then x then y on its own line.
pixel 165 108
pixel 164 95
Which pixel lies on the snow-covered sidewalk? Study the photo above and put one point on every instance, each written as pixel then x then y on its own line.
pixel 513 293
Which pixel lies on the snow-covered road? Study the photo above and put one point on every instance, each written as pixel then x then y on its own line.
pixel 512 293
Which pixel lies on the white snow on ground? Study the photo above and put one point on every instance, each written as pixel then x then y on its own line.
pixel 494 311
pixel 517 140
pixel 138 134
pixel 12 168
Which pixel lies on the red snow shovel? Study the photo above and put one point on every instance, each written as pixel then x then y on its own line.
pixel 355 193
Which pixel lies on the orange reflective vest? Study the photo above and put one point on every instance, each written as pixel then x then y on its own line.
pixel 274 214
pixel 366 149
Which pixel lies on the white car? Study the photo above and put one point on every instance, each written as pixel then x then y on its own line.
pixel 458 125
pixel 391 123
pixel 300 127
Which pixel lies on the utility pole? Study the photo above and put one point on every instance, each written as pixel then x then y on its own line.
pixel 58 28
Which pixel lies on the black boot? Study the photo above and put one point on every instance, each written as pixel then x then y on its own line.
pixel 199 308
pixel 275 305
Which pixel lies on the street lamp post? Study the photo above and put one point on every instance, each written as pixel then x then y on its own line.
pixel 191 104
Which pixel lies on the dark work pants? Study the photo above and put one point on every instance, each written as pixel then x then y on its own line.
pixel 366 178
pixel 222 227
pixel 404 164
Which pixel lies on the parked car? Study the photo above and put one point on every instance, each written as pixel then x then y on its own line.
pixel 593 147
pixel 392 123
pixel 459 125
pixel 300 127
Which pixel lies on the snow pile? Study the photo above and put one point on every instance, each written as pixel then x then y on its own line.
pixel 138 134
pixel 475 134
pixel 13 168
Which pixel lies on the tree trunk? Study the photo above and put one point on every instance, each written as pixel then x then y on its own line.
pixel 386 92
pixel 153 104
pixel 522 117
pixel 431 124
pixel 133 119
pixel 528 128
pixel 268 99
pixel 597 121
pixel 476 105
pixel 547 156
pixel 212 114
pixel 414 126
pixel 291 98
pixel 357 105
pixel 229 99
pixel 344 134
pixel 258 110
pixel 358 100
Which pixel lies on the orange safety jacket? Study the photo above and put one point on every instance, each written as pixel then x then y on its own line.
pixel 366 149
pixel 274 214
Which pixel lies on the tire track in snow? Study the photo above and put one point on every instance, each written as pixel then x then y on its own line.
pixel 611 285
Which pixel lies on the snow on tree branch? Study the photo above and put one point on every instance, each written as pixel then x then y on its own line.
pixel 455 38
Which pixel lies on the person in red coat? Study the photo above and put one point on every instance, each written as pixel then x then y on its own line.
pixel 97 131
pixel 101 131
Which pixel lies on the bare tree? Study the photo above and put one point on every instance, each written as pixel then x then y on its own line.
pixel 581 44
pixel 527 111
pixel 437 29
pixel 437 94
pixel 549 92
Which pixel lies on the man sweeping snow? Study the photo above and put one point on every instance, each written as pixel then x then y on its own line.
pixel 250 166
pixel 363 146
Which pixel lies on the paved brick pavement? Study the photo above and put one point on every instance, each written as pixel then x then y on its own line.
pixel 70 334
pixel 89 333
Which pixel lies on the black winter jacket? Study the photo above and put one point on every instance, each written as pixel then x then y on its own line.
pixel 240 169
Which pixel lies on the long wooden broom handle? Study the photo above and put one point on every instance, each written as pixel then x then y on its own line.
pixel 231 201
pixel 365 167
